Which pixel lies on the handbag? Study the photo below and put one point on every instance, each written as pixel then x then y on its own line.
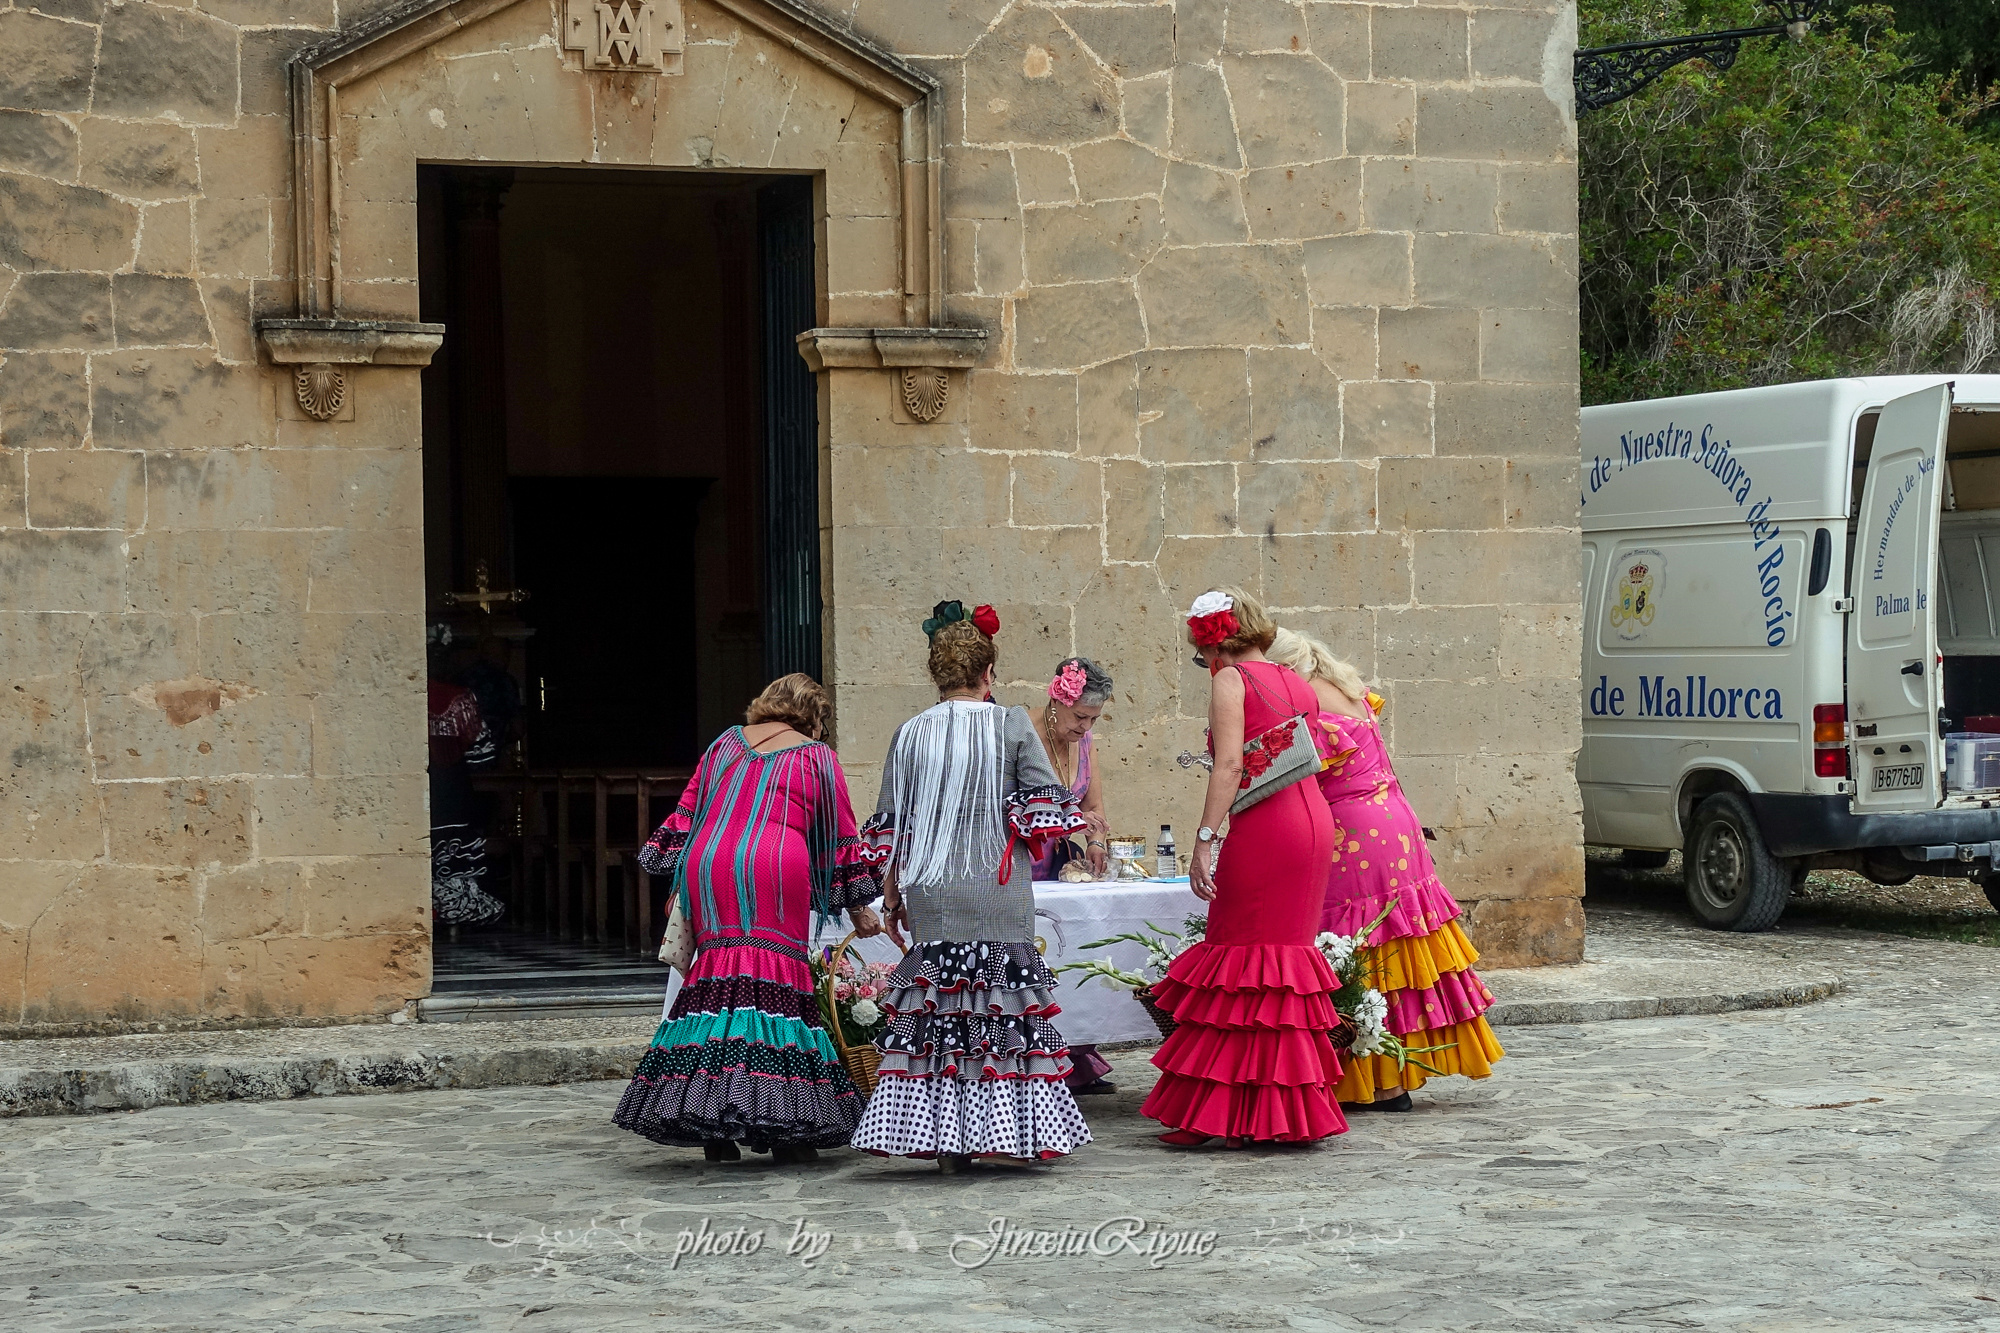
pixel 677 941
pixel 1276 757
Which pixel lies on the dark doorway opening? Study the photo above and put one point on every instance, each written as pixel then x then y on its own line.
pixel 621 523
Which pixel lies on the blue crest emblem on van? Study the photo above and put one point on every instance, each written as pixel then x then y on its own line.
pixel 1635 596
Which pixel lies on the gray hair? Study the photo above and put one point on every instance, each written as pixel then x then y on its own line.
pixel 1096 681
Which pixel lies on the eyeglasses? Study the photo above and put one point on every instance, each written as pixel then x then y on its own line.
pixel 1201 661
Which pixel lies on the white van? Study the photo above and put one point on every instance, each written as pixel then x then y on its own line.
pixel 1791 601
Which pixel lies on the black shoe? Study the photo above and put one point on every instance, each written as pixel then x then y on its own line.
pixel 721 1150
pixel 790 1154
pixel 1097 1089
pixel 1400 1102
pixel 951 1163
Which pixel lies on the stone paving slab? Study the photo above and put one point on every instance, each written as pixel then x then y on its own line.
pixel 1630 971
pixel 1835 1166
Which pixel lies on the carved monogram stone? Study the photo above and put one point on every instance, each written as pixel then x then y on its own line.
pixel 321 390
pixel 924 390
pixel 631 36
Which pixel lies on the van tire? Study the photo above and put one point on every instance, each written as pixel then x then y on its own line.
pixel 1639 858
pixel 1733 881
pixel 1990 882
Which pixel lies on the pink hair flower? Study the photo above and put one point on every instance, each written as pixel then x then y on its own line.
pixel 1068 685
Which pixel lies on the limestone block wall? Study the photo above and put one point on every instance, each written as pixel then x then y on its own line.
pixel 1278 294
pixel 212 797
pixel 1285 297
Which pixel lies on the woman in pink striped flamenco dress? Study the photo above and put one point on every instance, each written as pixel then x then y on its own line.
pixel 1250 1060
pixel 762 843
pixel 1421 960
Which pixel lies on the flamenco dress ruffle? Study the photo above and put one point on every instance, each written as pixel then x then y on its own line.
pixel 1250 1056
pixel 1422 963
pixel 742 1056
pixel 970 1061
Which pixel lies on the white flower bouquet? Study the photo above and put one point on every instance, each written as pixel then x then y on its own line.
pixel 1364 1010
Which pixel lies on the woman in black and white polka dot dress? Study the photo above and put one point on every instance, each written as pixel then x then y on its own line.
pixel 971 1063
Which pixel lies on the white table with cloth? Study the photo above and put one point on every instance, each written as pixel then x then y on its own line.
pixel 1069 916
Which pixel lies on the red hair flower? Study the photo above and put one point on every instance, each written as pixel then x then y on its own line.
pixel 1212 619
pixel 987 620
pixel 1213 629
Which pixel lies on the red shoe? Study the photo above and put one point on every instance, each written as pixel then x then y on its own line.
pixel 1184 1138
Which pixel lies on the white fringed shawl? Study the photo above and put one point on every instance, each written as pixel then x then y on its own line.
pixel 948 772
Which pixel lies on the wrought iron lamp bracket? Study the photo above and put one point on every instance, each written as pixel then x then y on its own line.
pixel 1608 74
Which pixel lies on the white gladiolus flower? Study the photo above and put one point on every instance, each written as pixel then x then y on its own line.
pixel 864 1012
pixel 1339 949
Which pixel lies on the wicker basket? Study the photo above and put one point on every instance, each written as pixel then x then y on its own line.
pixel 1343 1034
pixel 864 1061
pixel 1161 1018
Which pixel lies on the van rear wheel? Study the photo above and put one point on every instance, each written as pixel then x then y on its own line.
pixel 1733 881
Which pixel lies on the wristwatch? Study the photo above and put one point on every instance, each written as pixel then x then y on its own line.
pixel 1204 834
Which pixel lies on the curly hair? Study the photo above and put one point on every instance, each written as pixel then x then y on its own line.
pixel 796 700
pixel 960 654
pixel 1254 627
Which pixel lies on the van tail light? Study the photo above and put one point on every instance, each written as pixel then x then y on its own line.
pixel 1830 740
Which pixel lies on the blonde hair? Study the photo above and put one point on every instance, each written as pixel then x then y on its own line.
pixel 960 654
pixel 1315 661
pixel 1254 626
pixel 796 700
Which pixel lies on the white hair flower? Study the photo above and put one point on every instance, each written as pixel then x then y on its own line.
pixel 1209 603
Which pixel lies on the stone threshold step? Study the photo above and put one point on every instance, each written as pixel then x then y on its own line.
pixel 518 1006
pixel 577 1036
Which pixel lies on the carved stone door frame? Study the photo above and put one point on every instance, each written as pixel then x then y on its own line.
pixel 320 72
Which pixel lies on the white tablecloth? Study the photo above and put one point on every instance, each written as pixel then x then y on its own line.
pixel 1068 916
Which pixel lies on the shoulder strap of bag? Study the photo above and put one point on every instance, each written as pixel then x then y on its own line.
pixel 1289 709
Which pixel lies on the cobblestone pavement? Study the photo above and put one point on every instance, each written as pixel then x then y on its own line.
pixel 1831 1166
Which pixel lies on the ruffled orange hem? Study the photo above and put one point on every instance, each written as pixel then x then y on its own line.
pixel 1472 1050
pixel 1416 963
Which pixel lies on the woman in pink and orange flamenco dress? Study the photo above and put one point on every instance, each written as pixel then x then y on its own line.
pixel 1250 1059
pixel 1422 961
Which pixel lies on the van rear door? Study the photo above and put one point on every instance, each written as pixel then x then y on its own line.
pixel 1893 690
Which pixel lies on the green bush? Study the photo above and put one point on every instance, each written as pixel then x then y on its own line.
pixel 1823 208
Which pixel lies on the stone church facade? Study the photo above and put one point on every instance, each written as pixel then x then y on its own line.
pixel 1113 302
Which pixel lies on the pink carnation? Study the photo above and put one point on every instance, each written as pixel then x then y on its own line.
pixel 865 991
pixel 842 991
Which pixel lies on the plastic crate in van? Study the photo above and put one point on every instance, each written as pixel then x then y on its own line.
pixel 1971 761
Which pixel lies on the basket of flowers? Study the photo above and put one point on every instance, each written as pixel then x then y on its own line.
pixel 1360 1010
pixel 1162 947
pixel 850 1001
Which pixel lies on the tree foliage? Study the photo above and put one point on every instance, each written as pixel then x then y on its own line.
pixel 1823 208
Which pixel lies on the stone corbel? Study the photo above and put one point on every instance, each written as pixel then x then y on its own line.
pixel 318 350
pixel 923 358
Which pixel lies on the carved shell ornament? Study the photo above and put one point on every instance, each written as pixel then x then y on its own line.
pixel 924 390
pixel 321 390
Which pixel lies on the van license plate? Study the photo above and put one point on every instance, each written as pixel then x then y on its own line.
pixel 1899 777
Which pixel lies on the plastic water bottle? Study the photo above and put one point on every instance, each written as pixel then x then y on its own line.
pixel 1165 865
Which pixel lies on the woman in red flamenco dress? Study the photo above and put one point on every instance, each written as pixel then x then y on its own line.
pixel 1250 1060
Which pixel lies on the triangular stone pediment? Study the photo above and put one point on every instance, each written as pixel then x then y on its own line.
pixel 624 83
